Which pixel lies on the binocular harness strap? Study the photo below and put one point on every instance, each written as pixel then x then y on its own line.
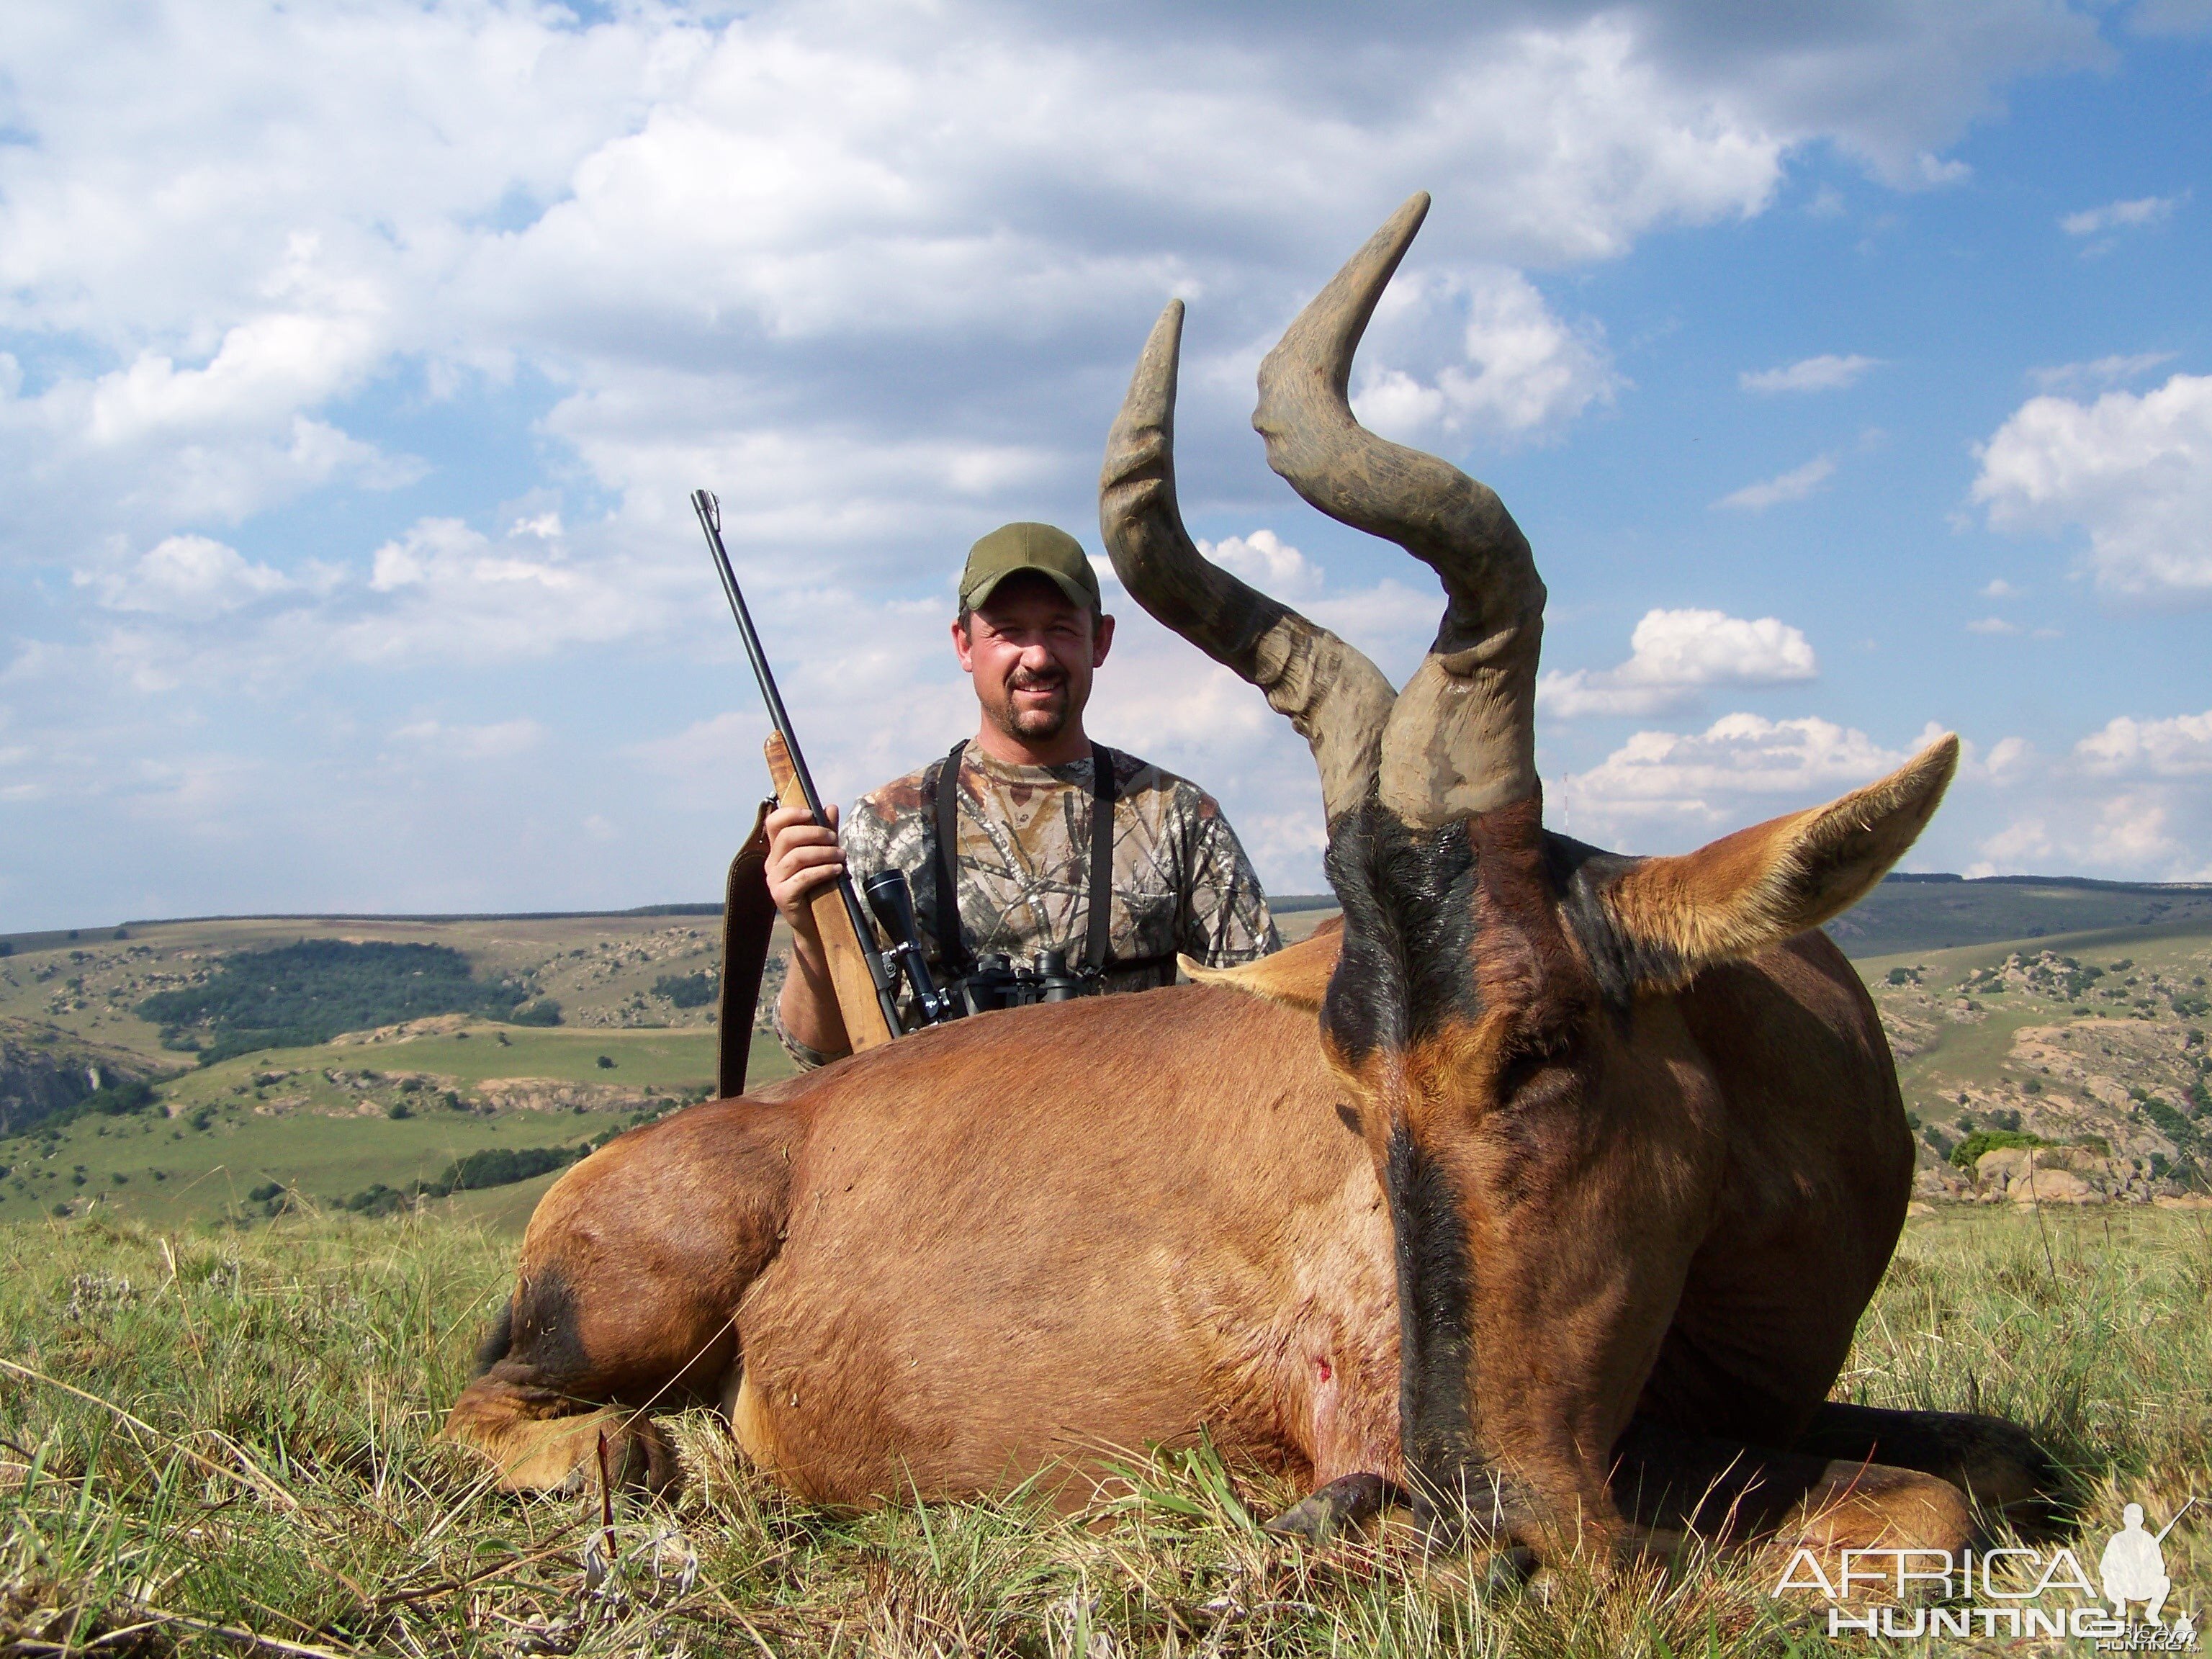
pixel 942 784
pixel 1100 945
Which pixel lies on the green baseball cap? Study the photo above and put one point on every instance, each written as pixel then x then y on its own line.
pixel 1039 547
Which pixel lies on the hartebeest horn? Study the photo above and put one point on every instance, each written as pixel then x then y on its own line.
pixel 1336 698
pixel 1461 739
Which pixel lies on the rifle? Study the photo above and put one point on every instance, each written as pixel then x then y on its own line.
pixel 866 977
pixel 834 914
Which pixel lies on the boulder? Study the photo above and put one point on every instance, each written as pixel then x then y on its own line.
pixel 45 1069
pixel 2055 1187
pixel 2045 1175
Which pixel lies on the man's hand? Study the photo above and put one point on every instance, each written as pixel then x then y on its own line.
pixel 802 855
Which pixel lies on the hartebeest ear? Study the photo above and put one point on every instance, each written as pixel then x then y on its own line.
pixel 1296 976
pixel 1668 917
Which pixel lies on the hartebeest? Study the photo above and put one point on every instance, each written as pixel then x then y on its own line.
pixel 1551 1187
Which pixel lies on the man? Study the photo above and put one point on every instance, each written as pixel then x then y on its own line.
pixel 1020 799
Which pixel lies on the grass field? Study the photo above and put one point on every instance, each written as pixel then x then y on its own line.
pixel 279 1116
pixel 1974 1036
pixel 1915 913
pixel 221 1442
pixel 324 1122
pixel 214 1425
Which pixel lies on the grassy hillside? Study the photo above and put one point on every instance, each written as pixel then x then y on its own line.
pixel 329 1121
pixel 601 969
pixel 391 1106
pixel 234 1433
pixel 400 1103
pixel 1919 913
pixel 2111 1048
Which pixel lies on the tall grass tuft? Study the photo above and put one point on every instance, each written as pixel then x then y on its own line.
pixel 221 1442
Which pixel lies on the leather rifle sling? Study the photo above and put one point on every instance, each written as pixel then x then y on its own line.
pixel 848 968
pixel 748 919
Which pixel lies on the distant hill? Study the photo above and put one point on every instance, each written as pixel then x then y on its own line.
pixel 1989 1036
pixel 1942 913
pixel 1905 913
pixel 45 1070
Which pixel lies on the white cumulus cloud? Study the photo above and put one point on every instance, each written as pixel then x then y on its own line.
pixel 191 578
pixel 2127 800
pixel 2121 216
pixel 2133 471
pixel 1739 770
pixel 1268 562
pixel 1822 374
pixel 1793 485
pixel 1525 371
pixel 2177 747
pixel 1674 655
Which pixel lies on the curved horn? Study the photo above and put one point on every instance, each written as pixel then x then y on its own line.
pixel 1336 698
pixel 1461 739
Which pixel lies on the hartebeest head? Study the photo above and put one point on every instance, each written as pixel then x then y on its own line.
pixel 1501 1000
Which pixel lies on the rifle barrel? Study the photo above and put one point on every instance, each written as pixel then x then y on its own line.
pixel 864 933
pixel 2176 1522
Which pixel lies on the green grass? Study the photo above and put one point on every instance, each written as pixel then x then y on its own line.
pixel 1906 915
pixel 601 969
pixel 327 1141
pixel 1978 1054
pixel 235 1430
pixel 208 1172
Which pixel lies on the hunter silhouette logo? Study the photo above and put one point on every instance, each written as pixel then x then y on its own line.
pixel 2008 1590
pixel 2133 1567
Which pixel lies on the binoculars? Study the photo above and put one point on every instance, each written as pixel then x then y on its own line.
pixel 996 982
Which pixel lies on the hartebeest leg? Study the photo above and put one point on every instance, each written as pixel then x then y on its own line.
pixel 626 1300
pixel 1998 1463
pixel 1728 1492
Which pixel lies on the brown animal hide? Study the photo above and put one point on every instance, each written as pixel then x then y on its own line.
pixel 1549 1189
pixel 954 1304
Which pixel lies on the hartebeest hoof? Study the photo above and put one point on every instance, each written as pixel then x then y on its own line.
pixel 1347 1501
pixel 1999 1465
pixel 566 1454
pixel 1865 1506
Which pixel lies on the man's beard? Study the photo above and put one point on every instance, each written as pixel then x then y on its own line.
pixel 1036 723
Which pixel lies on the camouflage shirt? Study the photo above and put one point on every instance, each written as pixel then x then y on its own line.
pixel 1181 882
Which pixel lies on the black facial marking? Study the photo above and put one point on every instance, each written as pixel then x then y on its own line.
pixel 1406 967
pixel 1434 1345
pixel 1579 874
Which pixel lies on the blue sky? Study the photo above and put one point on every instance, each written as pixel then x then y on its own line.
pixel 1848 368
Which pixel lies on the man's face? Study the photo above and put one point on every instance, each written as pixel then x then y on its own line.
pixel 1031 653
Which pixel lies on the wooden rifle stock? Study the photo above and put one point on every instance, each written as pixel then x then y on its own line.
pixel 848 968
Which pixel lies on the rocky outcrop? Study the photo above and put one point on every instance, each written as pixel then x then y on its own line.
pixel 2063 1174
pixel 45 1069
